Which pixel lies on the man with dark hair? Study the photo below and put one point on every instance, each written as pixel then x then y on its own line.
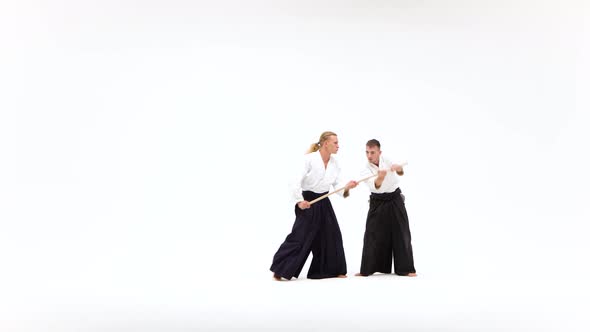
pixel 387 233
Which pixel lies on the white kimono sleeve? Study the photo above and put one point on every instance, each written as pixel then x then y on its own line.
pixel 295 188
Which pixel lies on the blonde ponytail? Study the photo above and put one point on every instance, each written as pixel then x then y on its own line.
pixel 323 137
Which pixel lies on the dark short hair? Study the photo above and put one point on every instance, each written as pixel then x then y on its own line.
pixel 373 142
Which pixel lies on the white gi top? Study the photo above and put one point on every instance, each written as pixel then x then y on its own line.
pixel 312 176
pixel 391 181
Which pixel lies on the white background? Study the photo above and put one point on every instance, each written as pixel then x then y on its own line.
pixel 145 150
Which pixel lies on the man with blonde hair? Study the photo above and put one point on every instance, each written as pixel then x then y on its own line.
pixel 316 228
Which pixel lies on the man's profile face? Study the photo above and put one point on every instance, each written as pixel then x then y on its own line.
pixel 332 144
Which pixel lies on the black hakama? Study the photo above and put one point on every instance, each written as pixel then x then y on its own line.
pixel 315 230
pixel 387 232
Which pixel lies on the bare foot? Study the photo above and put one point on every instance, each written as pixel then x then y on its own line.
pixel 277 277
pixel 341 276
pixel 412 274
pixel 360 275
